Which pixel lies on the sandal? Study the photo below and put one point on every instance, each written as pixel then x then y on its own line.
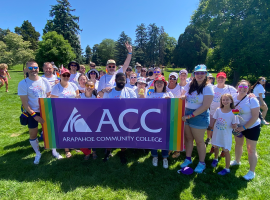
pixel 68 154
pixel 94 155
pixel 87 157
pixel 176 154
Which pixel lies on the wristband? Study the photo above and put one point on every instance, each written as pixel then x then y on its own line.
pixel 129 53
pixel 211 129
pixel 33 114
pixel 193 115
pixel 244 127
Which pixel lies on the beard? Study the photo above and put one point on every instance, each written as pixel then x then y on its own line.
pixel 120 85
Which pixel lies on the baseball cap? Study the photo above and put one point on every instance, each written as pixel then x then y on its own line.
pixel 173 74
pixel 138 65
pixel 64 70
pixel 111 62
pixel 222 74
pixel 183 71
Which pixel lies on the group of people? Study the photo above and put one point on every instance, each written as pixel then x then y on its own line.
pixel 220 109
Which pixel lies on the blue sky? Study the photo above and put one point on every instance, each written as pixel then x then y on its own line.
pixel 102 19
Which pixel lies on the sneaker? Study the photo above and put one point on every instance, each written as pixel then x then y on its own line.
pixel 250 175
pixel 234 163
pixel 200 167
pixel 266 123
pixel 165 163
pixel 214 163
pixel 37 159
pixel 57 155
pixel 155 161
pixel 222 154
pixel 212 150
pixel 224 172
pixel 185 163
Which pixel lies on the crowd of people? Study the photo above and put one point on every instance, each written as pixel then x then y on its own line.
pixel 220 109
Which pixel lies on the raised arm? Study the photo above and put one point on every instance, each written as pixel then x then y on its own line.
pixel 128 59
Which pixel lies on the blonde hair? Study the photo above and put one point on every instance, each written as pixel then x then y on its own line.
pixel 229 96
pixel 3 66
pixel 132 73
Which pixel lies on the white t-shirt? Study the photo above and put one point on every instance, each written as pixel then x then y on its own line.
pixel 74 78
pixel 193 100
pixel 160 95
pixel 133 87
pixel 51 80
pixel 108 80
pixel 259 89
pixel 222 132
pixel 245 107
pixel 81 88
pixel 84 97
pixel 177 91
pixel 218 92
pixel 69 92
pixel 137 92
pixel 34 90
pixel 124 93
pixel 96 84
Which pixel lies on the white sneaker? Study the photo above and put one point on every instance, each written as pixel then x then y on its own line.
pixel 234 163
pixel 57 155
pixel 165 163
pixel 155 161
pixel 37 159
pixel 250 175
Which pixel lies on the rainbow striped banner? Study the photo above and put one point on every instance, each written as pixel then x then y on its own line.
pixel 113 123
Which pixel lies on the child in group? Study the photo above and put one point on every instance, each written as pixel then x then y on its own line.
pixel 3 75
pixel 224 122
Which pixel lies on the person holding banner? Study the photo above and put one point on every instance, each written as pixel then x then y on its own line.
pixel 30 90
pixel 74 67
pixel 199 95
pixel 65 89
pixel 119 92
pixel 108 80
pixel 160 92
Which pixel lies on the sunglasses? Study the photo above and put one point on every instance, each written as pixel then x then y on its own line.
pixel 174 79
pixel 243 86
pixel 92 65
pixel 263 80
pixel 157 72
pixel 31 68
pixel 200 73
pixel 129 70
pixel 73 65
pixel 143 71
pixel 89 86
pixel 66 75
pixel 133 77
pixel 111 67
pixel 93 73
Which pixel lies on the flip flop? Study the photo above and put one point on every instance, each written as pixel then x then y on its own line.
pixel 176 154
pixel 186 171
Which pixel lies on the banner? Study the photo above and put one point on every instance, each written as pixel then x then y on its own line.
pixel 113 123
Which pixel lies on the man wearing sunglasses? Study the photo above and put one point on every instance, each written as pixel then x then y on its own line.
pixel 108 80
pixel 30 90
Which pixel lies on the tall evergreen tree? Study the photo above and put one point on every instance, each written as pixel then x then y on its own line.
pixel 88 54
pixel 66 24
pixel 96 57
pixel 120 48
pixel 28 33
pixel 106 50
pixel 152 45
pixel 141 44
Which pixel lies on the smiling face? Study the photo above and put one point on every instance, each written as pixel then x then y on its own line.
pixel 93 75
pixel 172 80
pixel 111 68
pixel 183 77
pixel 32 69
pixel 120 82
pixel 221 80
pixel 159 85
pixel 82 69
pixel 65 77
pixel 157 72
pixel 262 81
pixel 200 76
pixel 128 71
pixel 243 88
pixel 89 86
pixel 48 70
pixel 143 73
pixel 82 81
pixel 226 101
pixel 133 78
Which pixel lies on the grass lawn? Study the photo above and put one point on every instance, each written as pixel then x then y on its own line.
pixel 75 178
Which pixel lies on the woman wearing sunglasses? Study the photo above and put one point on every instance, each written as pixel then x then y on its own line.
pixel 65 89
pixel 249 127
pixel 259 92
pixel 93 75
pixel 143 72
pixel 160 92
pixel 90 93
pixel 74 67
pixel 82 80
pixel 199 95
pixel 128 71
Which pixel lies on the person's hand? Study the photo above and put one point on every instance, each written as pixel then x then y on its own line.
pixel 129 47
pixel 184 118
pixel 39 119
pixel 234 126
pixel 56 81
pixel 251 95
pixel 239 129
pixel 107 89
pixel 183 97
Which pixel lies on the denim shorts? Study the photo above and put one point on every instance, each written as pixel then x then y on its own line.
pixel 201 121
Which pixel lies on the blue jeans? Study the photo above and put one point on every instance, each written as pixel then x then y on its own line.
pixel 164 153
pixel 201 121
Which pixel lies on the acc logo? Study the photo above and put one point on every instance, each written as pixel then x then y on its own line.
pixel 79 124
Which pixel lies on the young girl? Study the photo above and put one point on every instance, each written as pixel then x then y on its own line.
pixel 224 122
pixel 3 75
pixel 82 80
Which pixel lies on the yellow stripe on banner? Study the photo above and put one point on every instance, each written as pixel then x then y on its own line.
pixel 45 129
pixel 179 124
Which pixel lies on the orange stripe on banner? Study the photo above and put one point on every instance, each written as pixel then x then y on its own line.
pixel 44 126
pixel 179 125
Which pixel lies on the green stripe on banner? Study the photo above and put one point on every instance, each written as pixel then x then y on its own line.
pixel 48 121
pixel 171 124
pixel 176 103
pixel 52 124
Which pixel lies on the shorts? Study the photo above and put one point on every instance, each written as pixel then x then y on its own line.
pixel 32 123
pixel 201 121
pixel 260 102
pixel 252 133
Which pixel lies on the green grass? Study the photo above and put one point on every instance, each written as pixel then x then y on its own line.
pixel 75 178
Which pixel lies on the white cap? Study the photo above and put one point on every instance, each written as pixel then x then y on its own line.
pixel 173 74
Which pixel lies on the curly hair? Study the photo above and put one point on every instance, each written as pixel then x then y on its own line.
pixel 3 66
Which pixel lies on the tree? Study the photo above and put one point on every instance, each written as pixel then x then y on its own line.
pixel 96 57
pixel 152 44
pixel 3 33
pixel 28 33
pixel 240 34
pixel 170 44
pixel 66 24
pixel 141 44
pixel 161 45
pixel 88 54
pixel 192 48
pixel 120 48
pixel 14 50
pixel 54 47
pixel 106 50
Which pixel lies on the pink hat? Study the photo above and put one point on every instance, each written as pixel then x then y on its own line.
pixel 64 70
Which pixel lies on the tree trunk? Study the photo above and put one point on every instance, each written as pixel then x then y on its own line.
pixel 236 76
